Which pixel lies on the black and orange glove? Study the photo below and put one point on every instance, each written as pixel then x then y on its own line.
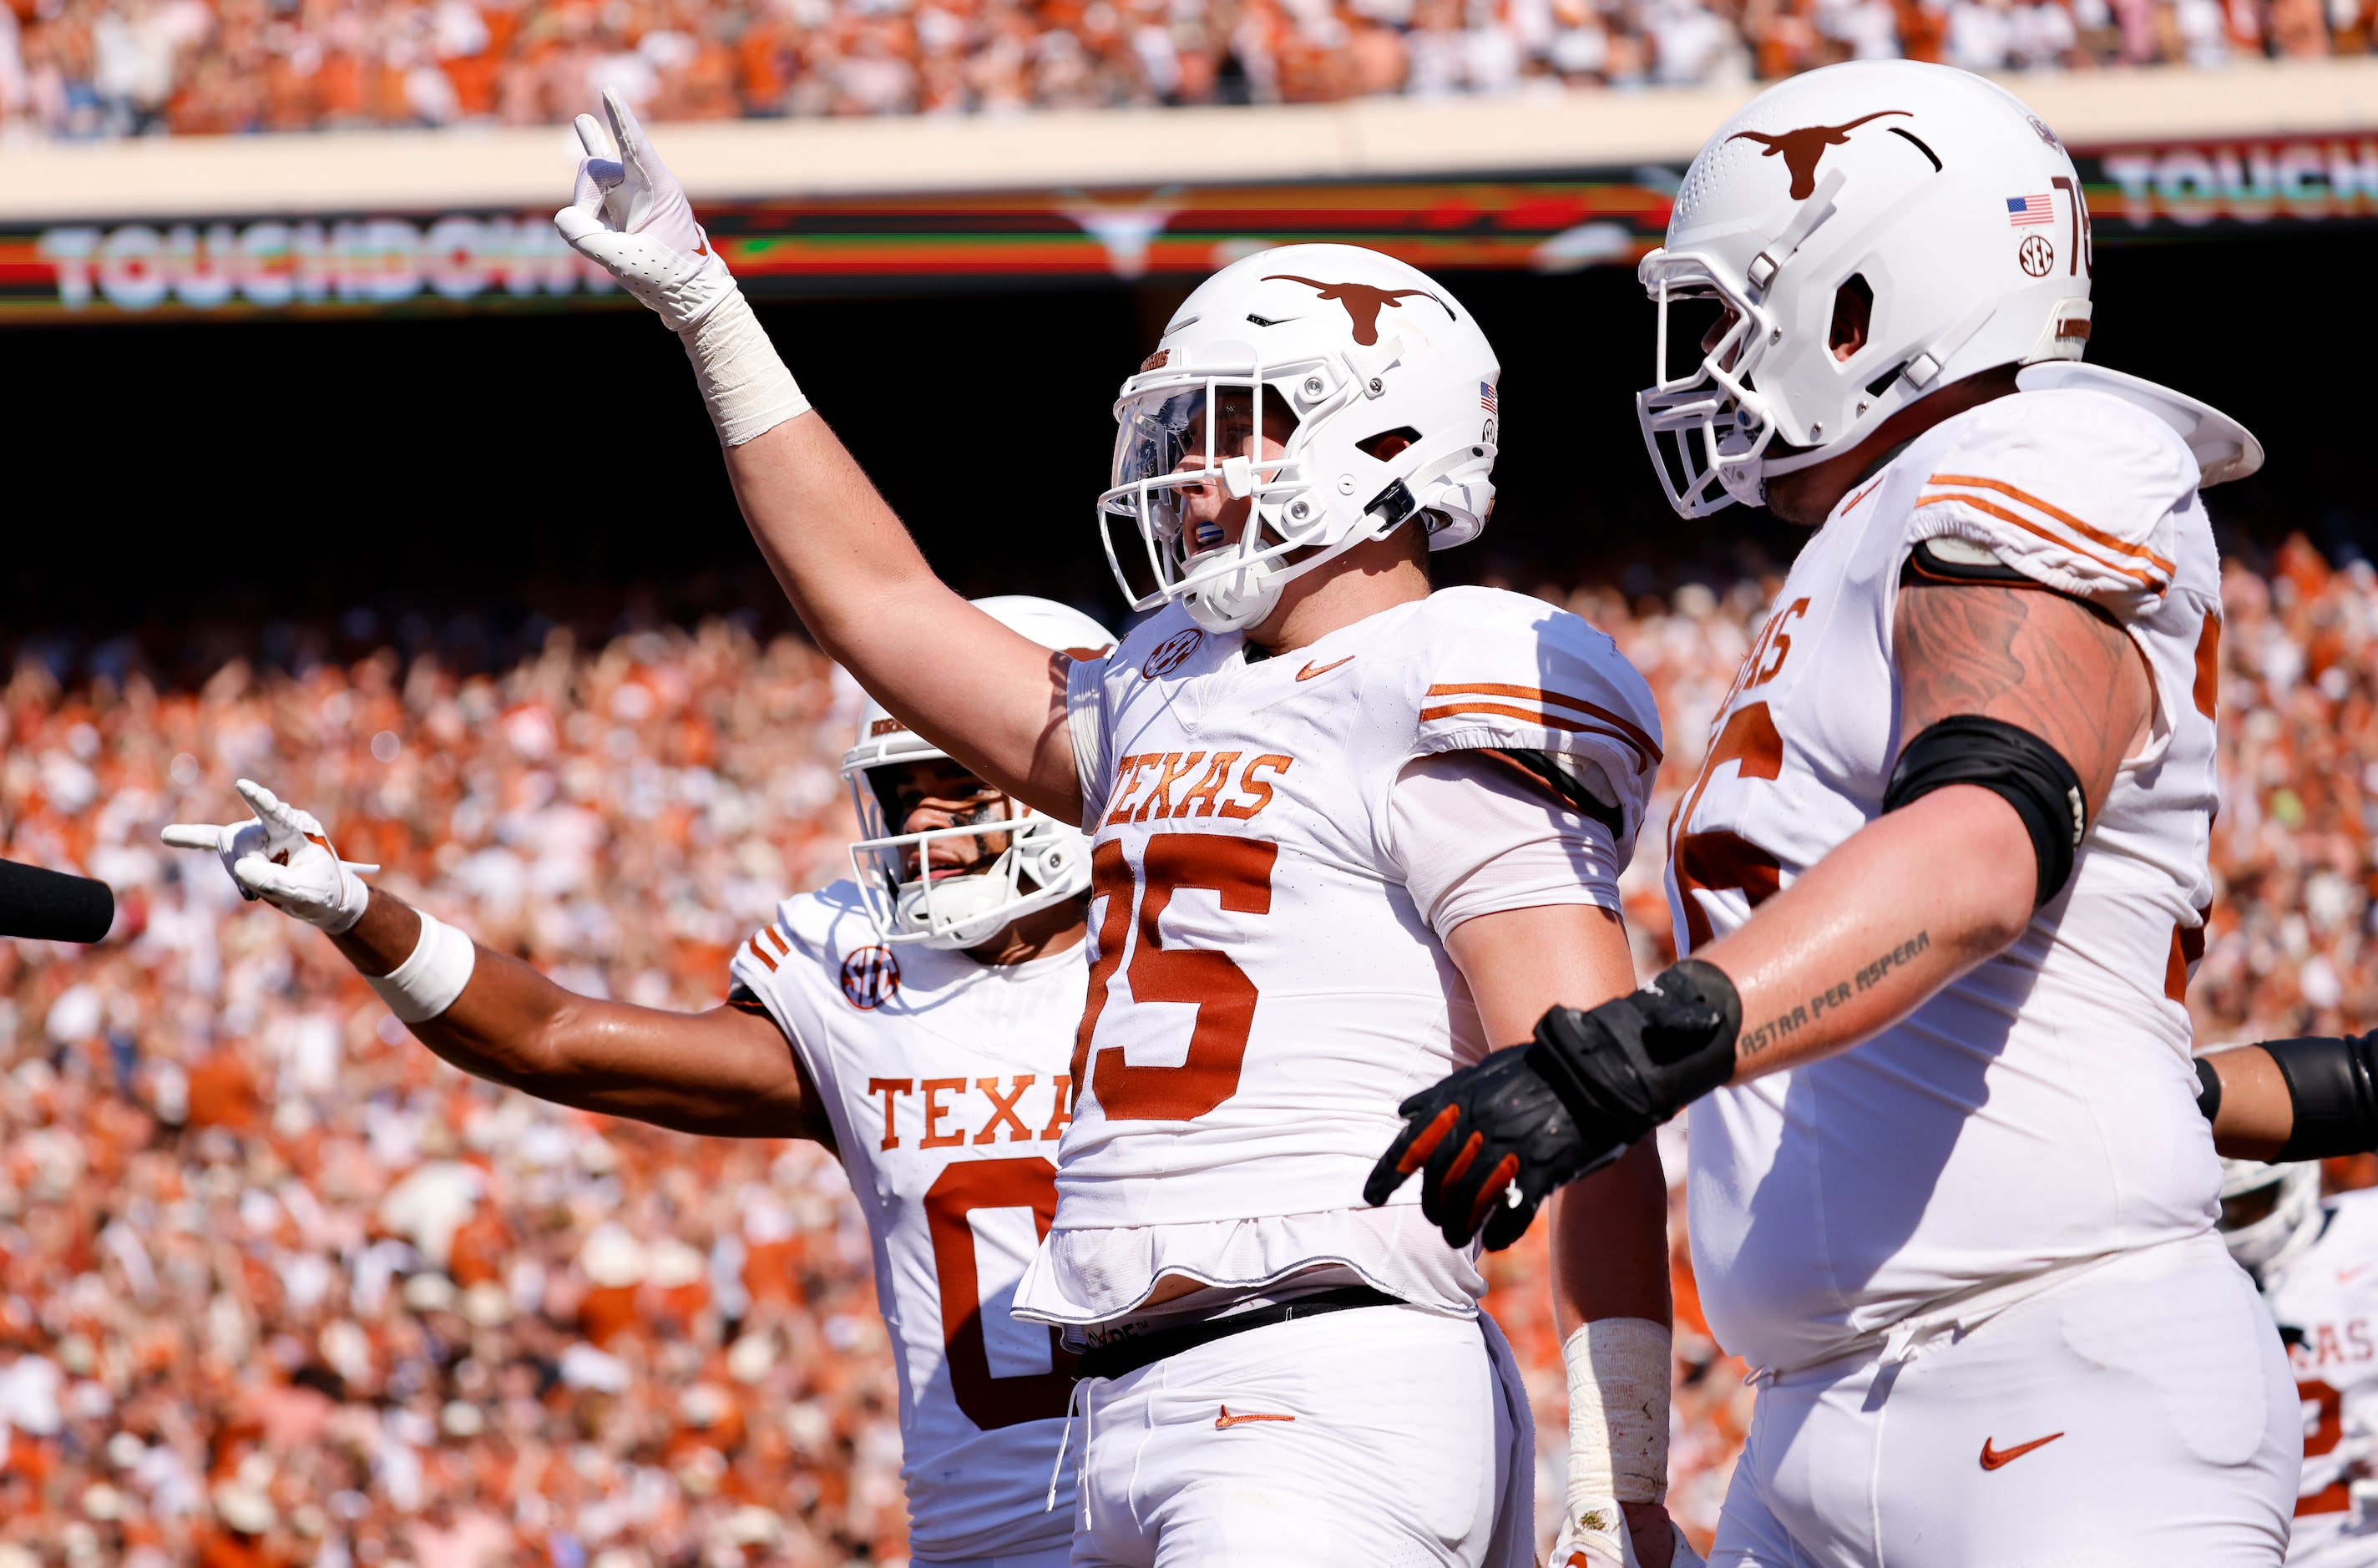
pixel 1491 1141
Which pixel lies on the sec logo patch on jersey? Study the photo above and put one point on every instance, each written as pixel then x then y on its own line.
pixel 1171 654
pixel 870 977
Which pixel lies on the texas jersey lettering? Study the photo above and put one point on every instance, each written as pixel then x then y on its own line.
pixel 1264 990
pixel 2042 1108
pixel 945 1083
pixel 2327 1303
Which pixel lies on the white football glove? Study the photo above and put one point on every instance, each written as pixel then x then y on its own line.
pixel 631 215
pixel 1581 1546
pixel 1596 1538
pixel 283 856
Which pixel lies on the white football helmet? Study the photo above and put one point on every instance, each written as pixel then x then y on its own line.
pixel 1044 860
pixel 1955 207
pixel 2269 1212
pixel 1349 348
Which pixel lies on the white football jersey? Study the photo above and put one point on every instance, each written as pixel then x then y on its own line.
pixel 1264 991
pixel 945 1082
pixel 2327 1304
pixel 2042 1109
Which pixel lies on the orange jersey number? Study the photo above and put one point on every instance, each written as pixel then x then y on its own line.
pixel 1721 861
pixel 968 1185
pixel 1238 873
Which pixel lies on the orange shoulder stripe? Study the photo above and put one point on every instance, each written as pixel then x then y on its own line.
pixel 1643 759
pixel 2067 519
pixel 1634 732
pixel 2003 514
pixel 762 953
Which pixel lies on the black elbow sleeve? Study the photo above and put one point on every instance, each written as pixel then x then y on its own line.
pixel 2010 762
pixel 2333 1084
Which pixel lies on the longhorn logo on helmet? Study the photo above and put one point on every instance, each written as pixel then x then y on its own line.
pixel 1802 150
pixel 1362 301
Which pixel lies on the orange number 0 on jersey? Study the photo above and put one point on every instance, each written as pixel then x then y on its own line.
pixel 1237 871
pixel 2327 1431
pixel 1024 1183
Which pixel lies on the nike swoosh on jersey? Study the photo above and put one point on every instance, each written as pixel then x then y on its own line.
pixel 1225 1421
pixel 1860 496
pixel 1309 671
pixel 1994 1457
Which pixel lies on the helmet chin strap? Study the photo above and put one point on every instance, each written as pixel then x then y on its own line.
pixel 979 909
pixel 1224 606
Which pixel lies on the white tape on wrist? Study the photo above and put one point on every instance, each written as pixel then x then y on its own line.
pixel 1619 1371
pixel 744 382
pixel 426 983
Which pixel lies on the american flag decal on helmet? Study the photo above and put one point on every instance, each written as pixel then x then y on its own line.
pixel 1486 396
pixel 2023 210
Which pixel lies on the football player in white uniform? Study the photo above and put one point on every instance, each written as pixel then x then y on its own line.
pixel 928 1006
pixel 2317 1263
pixel 1345 832
pixel 1954 814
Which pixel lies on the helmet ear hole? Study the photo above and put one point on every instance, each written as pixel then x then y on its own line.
pixel 1852 317
pixel 1387 443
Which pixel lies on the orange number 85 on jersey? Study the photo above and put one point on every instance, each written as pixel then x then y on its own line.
pixel 1238 872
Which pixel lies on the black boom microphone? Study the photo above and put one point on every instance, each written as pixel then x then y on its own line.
pixel 52 907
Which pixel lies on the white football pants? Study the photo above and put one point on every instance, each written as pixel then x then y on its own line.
pixel 1376 1438
pixel 2145 1414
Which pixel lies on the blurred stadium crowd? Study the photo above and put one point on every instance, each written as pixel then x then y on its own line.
pixel 84 69
pixel 277 1288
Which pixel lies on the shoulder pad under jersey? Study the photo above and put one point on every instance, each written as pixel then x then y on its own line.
pixel 2075 489
pixel 811 928
pixel 1501 671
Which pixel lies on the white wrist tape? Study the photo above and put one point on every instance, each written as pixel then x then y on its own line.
pixel 426 983
pixel 1619 1371
pixel 744 382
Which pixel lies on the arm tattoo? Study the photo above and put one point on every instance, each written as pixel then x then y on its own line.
pixel 1784 1025
pixel 2034 658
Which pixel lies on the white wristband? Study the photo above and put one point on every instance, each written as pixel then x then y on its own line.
pixel 426 983
pixel 1619 1371
pixel 744 382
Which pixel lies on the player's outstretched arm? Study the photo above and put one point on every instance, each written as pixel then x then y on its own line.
pixel 725 1071
pixel 993 699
